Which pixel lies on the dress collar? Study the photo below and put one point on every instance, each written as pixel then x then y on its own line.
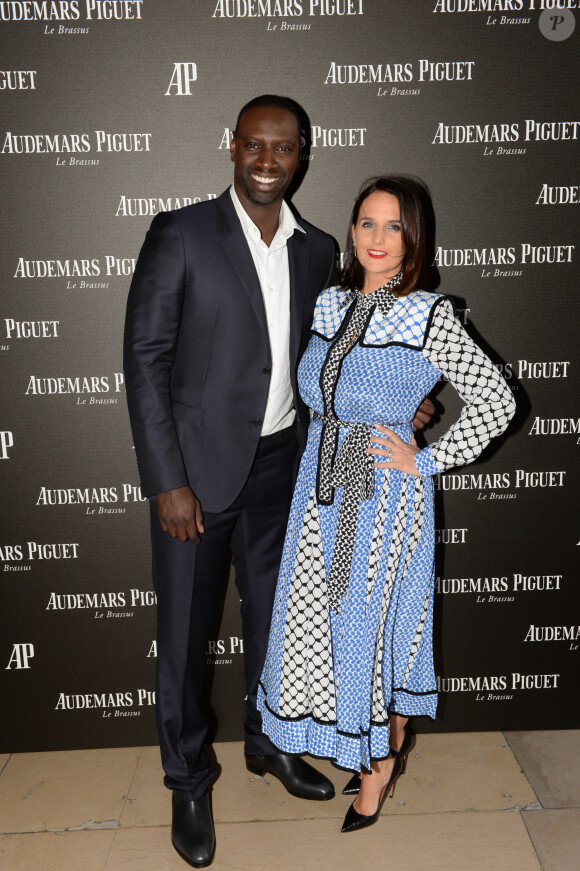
pixel 382 297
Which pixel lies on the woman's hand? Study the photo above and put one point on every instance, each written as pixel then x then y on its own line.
pixel 397 453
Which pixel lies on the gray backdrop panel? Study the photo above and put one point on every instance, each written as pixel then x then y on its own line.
pixel 151 90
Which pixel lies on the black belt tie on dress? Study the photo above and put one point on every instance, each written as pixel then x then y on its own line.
pixel 354 471
pixel 352 468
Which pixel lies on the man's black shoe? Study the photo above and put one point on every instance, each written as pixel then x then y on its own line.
pixel 192 831
pixel 299 778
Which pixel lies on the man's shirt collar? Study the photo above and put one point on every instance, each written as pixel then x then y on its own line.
pixel 288 223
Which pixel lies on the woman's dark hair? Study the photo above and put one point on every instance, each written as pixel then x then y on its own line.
pixel 414 202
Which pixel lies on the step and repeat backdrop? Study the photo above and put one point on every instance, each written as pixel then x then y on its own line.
pixel 115 110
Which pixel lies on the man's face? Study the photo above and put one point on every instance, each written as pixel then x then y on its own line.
pixel 266 153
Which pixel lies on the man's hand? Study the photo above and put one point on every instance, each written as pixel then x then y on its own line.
pixel 423 414
pixel 180 514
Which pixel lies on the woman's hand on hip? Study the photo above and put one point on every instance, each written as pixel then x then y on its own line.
pixel 392 452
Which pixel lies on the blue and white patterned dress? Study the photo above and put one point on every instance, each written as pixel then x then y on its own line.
pixel 350 639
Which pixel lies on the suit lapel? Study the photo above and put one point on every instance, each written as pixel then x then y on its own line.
pixel 238 253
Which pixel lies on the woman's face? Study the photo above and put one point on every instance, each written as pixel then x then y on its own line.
pixel 378 236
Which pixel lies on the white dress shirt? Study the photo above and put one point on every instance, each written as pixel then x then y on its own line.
pixel 272 267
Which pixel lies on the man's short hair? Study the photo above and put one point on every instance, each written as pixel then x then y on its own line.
pixel 285 103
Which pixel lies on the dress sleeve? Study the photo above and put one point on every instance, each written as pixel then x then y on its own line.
pixel 489 403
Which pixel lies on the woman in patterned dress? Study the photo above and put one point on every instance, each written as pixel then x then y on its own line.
pixel 350 653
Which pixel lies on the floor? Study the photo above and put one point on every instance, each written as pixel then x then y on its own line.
pixel 490 800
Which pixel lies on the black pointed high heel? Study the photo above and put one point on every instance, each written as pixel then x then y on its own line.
pixel 353 786
pixel 353 820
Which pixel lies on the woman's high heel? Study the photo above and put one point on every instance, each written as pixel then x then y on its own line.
pixel 353 786
pixel 353 820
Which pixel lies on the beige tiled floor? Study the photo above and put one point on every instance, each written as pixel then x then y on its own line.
pixel 465 804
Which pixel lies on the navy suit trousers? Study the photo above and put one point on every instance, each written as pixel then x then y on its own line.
pixel 186 578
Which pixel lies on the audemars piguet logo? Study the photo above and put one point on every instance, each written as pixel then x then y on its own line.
pixel 183 76
pixel 499 485
pixel 287 8
pixel 124 703
pixel 69 145
pixel 497 687
pixel 21 655
pixel 498 137
pixel 505 262
pixel 77 271
pixel 499 589
pixel 95 500
pixel 70 10
pixel 89 389
pixel 394 74
pixel 110 605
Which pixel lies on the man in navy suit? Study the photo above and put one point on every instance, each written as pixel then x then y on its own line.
pixel 218 316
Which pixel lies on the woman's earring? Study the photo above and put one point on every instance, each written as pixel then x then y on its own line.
pixel 354 249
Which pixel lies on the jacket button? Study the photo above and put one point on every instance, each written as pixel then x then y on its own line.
pixel 258 422
pixel 266 370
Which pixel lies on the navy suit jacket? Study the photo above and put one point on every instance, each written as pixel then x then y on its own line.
pixel 197 355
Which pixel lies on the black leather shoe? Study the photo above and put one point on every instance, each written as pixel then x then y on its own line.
pixel 353 820
pixel 299 778
pixel 192 831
